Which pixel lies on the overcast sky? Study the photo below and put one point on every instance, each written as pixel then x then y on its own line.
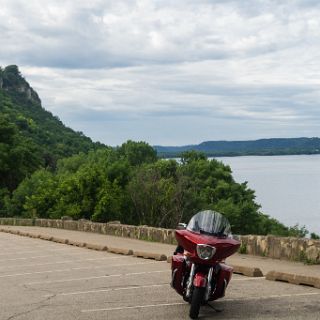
pixel 170 72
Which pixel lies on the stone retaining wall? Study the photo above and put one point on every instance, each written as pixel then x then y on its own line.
pixel 121 230
pixel 288 248
pixel 305 250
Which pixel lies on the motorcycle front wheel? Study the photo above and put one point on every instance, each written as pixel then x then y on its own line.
pixel 196 301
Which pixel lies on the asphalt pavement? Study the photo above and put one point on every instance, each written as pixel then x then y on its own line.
pixel 46 280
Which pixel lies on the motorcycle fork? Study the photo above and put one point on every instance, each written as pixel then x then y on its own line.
pixel 208 289
pixel 190 280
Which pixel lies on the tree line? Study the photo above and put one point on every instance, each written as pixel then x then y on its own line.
pixel 131 184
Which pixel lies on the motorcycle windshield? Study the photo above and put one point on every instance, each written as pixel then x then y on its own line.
pixel 211 223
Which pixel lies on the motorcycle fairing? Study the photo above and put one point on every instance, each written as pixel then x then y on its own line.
pixel 225 247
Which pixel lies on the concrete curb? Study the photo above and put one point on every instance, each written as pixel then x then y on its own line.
pixel 44 237
pixel 293 278
pixel 23 234
pixel 247 271
pixel 13 231
pixel 96 247
pixel 126 252
pixel 60 240
pixel 77 243
pixel 32 235
pixel 91 246
pixel 149 255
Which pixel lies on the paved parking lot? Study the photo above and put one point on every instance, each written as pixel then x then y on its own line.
pixel 46 280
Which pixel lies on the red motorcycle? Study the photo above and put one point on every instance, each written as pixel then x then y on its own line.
pixel 199 272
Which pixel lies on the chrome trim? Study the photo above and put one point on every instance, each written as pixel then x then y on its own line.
pixel 214 250
pixel 190 280
pixel 208 289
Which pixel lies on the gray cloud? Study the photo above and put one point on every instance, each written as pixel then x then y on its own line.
pixel 170 72
pixel 116 33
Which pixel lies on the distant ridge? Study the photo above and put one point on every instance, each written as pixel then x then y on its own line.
pixel 20 107
pixel 273 146
pixel 30 137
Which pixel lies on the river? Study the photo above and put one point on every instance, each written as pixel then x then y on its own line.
pixel 287 187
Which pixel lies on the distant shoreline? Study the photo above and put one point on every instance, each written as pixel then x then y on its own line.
pixel 213 155
pixel 261 147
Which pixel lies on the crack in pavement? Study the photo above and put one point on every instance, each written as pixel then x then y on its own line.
pixel 29 287
pixel 14 316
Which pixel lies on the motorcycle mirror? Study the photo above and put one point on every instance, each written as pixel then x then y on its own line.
pixel 182 226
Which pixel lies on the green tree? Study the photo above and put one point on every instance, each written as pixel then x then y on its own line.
pixel 137 153
pixel 153 197
pixel 18 155
pixel 34 197
pixel 189 156
pixel 109 203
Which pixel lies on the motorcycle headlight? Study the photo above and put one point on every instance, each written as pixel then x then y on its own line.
pixel 205 252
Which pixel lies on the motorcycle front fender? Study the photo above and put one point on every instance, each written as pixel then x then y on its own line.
pixel 200 280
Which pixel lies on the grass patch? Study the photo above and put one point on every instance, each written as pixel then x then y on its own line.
pixel 243 249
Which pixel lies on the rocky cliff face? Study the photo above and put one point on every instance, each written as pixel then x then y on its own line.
pixel 12 80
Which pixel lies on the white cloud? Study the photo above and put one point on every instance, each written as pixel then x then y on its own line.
pixel 195 69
